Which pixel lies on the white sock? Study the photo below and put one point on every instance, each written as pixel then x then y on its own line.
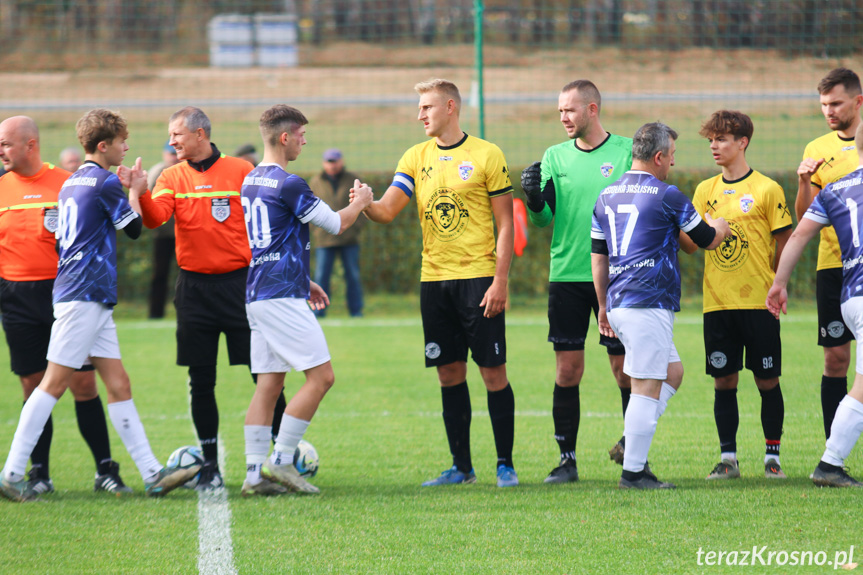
pixel 731 455
pixel 125 418
pixel 639 426
pixel 771 456
pixel 257 448
pixel 846 428
pixel 665 394
pixel 34 415
pixel 291 431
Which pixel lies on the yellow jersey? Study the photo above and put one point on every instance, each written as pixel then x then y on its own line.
pixel 840 159
pixel 739 272
pixel 453 187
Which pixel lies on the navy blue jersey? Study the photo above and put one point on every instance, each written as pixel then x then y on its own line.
pixel 639 217
pixel 840 204
pixel 92 207
pixel 278 207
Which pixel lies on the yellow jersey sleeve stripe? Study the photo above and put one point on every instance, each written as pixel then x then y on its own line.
pixel 29 206
pixel 207 194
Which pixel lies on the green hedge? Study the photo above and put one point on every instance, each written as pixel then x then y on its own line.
pixel 390 260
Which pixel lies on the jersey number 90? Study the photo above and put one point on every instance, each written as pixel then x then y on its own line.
pixel 257 223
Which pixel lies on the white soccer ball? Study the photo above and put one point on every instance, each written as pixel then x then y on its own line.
pixel 306 459
pixel 184 458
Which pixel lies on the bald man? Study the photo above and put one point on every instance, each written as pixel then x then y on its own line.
pixel 70 159
pixel 28 266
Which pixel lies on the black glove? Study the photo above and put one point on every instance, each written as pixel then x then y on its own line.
pixel 531 179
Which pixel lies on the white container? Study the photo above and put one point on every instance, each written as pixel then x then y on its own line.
pixel 230 29
pixel 275 29
pixel 232 55
pixel 275 56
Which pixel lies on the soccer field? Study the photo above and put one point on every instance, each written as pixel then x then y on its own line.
pixel 379 434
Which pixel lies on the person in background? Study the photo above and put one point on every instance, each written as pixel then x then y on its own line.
pixel 333 186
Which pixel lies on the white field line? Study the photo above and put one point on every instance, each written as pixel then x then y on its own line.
pixel 215 548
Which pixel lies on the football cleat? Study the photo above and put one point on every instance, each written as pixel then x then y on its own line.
pixel 210 477
pixel 40 485
pixel 506 476
pixel 169 479
pixel 110 481
pixel 837 477
pixel 17 490
pixel 772 470
pixel 644 482
pixel 265 487
pixel 288 476
pixel 451 476
pixel 725 469
pixel 616 452
pixel 566 472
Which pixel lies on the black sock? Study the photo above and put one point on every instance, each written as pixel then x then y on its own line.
pixel 727 418
pixel 205 412
pixel 278 412
pixel 772 417
pixel 833 390
pixel 94 430
pixel 456 419
pixel 39 457
pixel 501 409
pixel 625 392
pixel 566 412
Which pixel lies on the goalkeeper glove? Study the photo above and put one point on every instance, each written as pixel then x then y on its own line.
pixel 531 179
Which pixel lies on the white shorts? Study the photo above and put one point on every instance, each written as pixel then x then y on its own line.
pixel 852 314
pixel 285 335
pixel 82 329
pixel 647 335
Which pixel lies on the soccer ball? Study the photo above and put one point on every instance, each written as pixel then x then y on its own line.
pixel 184 458
pixel 306 459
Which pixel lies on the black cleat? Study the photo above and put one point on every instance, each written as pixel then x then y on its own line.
pixel 644 482
pixel 566 472
pixel 110 481
pixel 836 477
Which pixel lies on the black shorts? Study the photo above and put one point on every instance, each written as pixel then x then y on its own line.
pixel 832 331
pixel 27 318
pixel 728 332
pixel 453 322
pixel 208 305
pixel 569 309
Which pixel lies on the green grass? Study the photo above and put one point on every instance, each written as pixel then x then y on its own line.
pixel 379 435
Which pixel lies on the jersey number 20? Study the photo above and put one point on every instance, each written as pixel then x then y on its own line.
pixel 257 223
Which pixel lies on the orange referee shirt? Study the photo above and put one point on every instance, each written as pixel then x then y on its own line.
pixel 28 220
pixel 208 215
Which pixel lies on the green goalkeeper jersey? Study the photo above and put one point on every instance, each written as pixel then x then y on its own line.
pixel 579 176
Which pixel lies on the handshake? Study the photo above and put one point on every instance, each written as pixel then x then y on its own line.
pixel 362 194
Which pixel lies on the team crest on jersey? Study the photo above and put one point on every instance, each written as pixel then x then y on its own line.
pixel 51 220
pixel 718 359
pixel 220 208
pixel 465 170
pixel 446 215
pixel 606 169
pixel 733 251
pixel 746 203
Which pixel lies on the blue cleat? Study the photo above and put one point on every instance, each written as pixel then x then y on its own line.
pixel 452 476
pixel 506 476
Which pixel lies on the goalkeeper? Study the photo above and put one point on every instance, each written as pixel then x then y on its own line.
pixel 564 188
